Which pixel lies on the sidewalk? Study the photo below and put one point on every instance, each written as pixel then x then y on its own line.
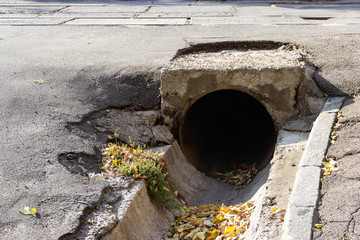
pixel 112 13
pixel 340 202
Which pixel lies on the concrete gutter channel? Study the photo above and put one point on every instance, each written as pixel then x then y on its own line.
pixel 142 219
pixel 300 214
pixel 291 180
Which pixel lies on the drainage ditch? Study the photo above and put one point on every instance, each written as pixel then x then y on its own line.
pixel 227 108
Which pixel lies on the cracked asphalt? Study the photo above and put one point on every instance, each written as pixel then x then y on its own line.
pixel 339 208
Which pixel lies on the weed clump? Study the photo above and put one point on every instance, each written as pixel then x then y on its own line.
pixel 139 162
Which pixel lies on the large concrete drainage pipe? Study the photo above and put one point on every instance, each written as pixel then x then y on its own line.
pixel 226 129
pixel 227 105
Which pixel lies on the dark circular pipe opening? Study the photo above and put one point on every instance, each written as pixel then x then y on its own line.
pixel 226 129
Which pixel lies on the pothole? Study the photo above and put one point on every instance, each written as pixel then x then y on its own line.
pixel 220 110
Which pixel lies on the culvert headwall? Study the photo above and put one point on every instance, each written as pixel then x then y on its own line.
pixel 230 104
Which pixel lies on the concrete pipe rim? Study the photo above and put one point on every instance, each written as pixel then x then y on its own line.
pixel 227 129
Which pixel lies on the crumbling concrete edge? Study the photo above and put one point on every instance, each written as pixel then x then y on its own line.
pixel 300 214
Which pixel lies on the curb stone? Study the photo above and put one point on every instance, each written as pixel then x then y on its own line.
pixel 299 217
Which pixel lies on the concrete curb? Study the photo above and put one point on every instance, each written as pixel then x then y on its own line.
pixel 303 201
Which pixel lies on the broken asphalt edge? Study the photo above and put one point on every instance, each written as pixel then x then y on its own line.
pixel 300 214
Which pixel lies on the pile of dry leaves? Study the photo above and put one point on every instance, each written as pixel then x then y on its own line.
pixel 240 177
pixel 207 222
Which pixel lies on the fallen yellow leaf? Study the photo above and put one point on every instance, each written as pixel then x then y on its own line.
pixel 214 233
pixel 327 172
pixel 199 236
pixel 219 220
pixel 229 230
pixel 224 210
pixel 192 233
pixel 29 211
pixel 39 81
pixel 319 225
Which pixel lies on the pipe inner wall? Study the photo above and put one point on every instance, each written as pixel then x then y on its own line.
pixel 226 129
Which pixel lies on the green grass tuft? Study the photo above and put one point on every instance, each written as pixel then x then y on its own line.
pixel 138 163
